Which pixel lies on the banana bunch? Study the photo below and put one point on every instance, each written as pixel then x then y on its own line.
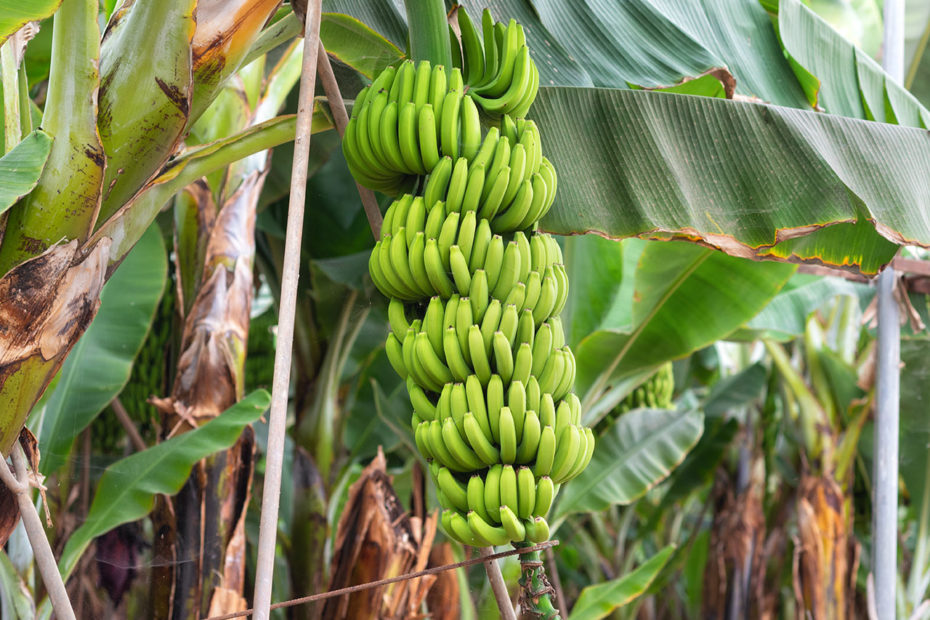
pixel 655 393
pixel 497 65
pixel 425 252
pixel 403 121
pixel 475 291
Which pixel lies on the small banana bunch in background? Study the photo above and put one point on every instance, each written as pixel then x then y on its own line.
pixel 655 393
pixel 475 291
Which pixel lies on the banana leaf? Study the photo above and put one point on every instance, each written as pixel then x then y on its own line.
pixel 127 489
pixel 14 14
pixel 600 600
pixel 21 168
pixel 715 293
pixel 637 453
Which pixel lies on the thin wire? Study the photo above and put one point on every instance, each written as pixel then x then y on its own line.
pixel 383 582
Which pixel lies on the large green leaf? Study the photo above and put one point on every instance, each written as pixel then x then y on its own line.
pixel 127 489
pixel 785 316
pixel 740 176
pixel 914 463
pixel 697 471
pixel 840 77
pixel 66 200
pixel 660 42
pixel 637 453
pixel 99 366
pixel 355 44
pixel 917 52
pixel 599 601
pixel 383 16
pixel 14 14
pixel 859 21
pixel 685 298
pixel 21 167
pixel 602 274
pixel 647 43
pixel 920 75
pixel 736 390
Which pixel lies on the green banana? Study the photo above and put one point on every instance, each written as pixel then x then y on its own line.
pixel 545 493
pixel 426 134
pixel 545 452
pixel 395 355
pixel 472 50
pixel 526 492
pixel 503 356
pixel 478 294
pixel 512 524
pixel 437 182
pixel 452 352
pixel 479 355
pixel 474 393
pixel 508 485
pixel 475 495
pixel 566 452
pixel 495 402
pixel 529 443
pixel 455 491
pixel 459 266
pixel 479 442
pixel 495 535
pixel 537 530
pixel 435 270
pixel 508 436
pixel 422 405
pixel 415 255
pixel 460 450
pixel 463 320
pixel 516 401
pixel 458 183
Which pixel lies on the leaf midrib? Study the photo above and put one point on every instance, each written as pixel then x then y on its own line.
pixel 639 446
pixel 604 377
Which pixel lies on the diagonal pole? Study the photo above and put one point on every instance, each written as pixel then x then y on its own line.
pixel 274 452
pixel 885 474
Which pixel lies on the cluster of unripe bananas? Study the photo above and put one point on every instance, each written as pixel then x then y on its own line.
pixel 475 291
pixel 655 393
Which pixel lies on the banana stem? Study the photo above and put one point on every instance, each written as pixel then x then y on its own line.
pixel 536 597
pixel 429 32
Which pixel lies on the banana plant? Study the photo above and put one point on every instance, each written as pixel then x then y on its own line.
pixel 823 402
pixel 214 251
pixel 117 109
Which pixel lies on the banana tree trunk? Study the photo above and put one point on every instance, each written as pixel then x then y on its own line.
pixel 206 519
pixel 827 554
pixel 309 531
pixel 735 567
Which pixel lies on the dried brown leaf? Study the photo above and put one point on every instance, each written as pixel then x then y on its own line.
pixel 826 554
pixel 376 539
pixel 442 600
pixel 46 303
